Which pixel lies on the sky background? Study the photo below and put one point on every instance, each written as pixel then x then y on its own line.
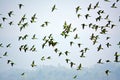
pixel 65 12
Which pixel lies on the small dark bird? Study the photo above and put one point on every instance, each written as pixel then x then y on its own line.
pixel 43 58
pixel 107 72
pixel 82 55
pixel 4 18
pixel 71 43
pixel 76 36
pixel 34 37
pixel 89 7
pixel 77 9
pixel 107 38
pixel 83 25
pixel 23 74
pixel 60 53
pixel 107 17
pixel 46 23
pixel 113 5
pixel 56 50
pixel 74 77
pixel 67 52
pixel 5 54
pixel 49 57
pixel 116 57
pixel 118 44
pixel 1 45
pixel 33 64
pixel 87 15
pixel 117 0
pixel 78 15
pixel 20 6
pixel 99 47
pixel 12 64
pixel 71 64
pixel 8 61
pixel 79 45
pixel 54 8
pixel 97 5
pixel 9 45
pixel 108 61
pixel 79 67
pixel 67 60
pixel 100 61
pixel 11 23
pixel 1 25
pixel 10 13
pixel 108 45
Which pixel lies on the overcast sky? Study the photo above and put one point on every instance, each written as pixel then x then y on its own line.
pixel 65 12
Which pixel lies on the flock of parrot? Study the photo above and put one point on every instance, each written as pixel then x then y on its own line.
pixel 67 30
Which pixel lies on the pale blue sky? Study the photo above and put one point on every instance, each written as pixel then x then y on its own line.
pixel 65 12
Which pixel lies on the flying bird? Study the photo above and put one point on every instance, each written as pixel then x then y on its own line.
pixel 107 72
pixel 99 47
pixel 54 8
pixel 10 13
pixel 113 5
pixel 5 54
pixel 9 45
pixel 100 61
pixel 71 64
pixel 33 64
pixel 79 67
pixel 20 6
pixel 77 9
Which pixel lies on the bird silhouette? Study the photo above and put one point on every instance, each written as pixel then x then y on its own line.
pixel 77 9
pixel 79 45
pixel 74 77
pixel 107 72
pixel 33 64
pixel 108 61
pixel 89 7
pixel 20 6
pixel 34 37
pixel 100 61
pixel 22 74
pixel 1 25
pixel 54 8
pixel 11 23
pixel 12 63
pixel 71 64
pixel 66 53
pixel 10 13
pixel 97 5
pixel 1 45
pixel 82 55
pixel 116 57
pixel 9 45
pixel 79 67
pixel 5 54
pixel 99 47
pixel 43 58
pixel 67 60
pixel 4 19
pixel 71 43
pixel 108 45
pixel 87 15
pixel 114 5
pixel 8 61
pixel 78 15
